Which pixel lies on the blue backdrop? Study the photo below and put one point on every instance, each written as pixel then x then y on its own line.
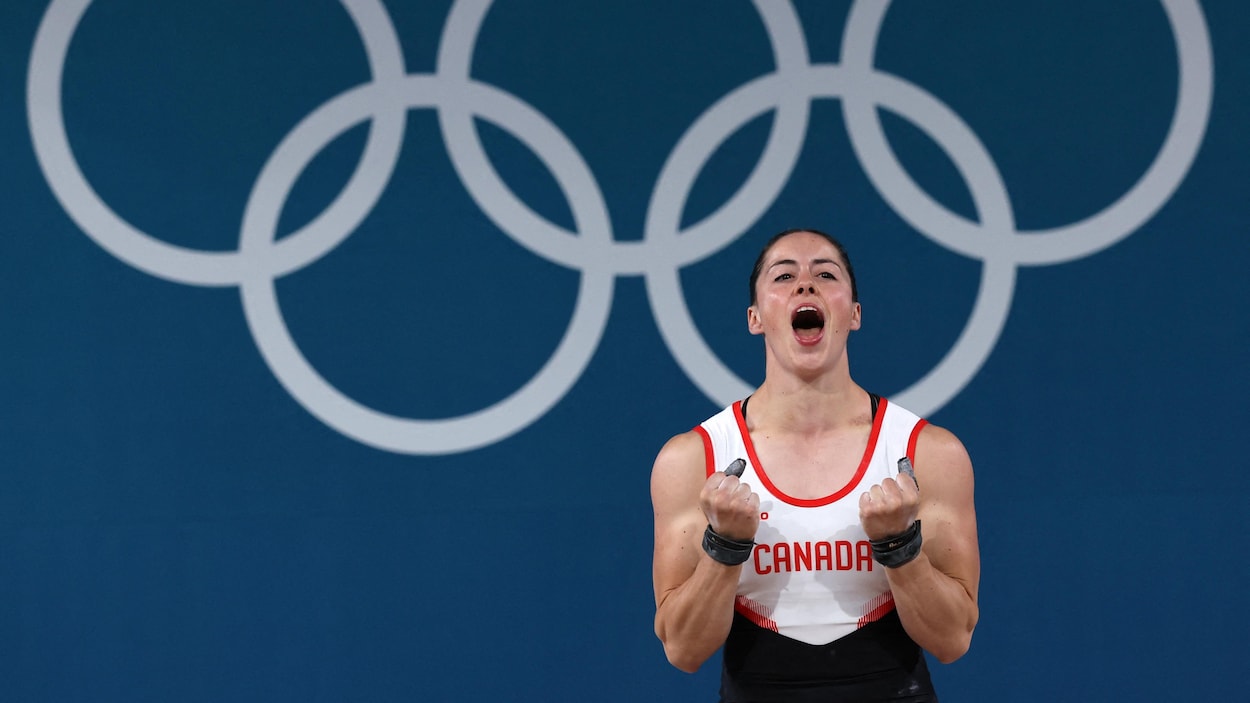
pixel 339 337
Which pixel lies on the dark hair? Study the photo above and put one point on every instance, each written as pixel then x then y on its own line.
pixel 759 261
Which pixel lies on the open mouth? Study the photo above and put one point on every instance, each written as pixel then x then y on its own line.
pixel 808 323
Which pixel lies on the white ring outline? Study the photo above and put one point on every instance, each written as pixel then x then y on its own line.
pixel 1058 244
pixel 999 241
pixel 593 251
pixel 322 399
pixel 180 264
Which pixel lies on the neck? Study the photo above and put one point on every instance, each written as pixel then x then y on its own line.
pixel 805 408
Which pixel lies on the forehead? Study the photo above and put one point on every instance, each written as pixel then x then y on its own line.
pixel 802 247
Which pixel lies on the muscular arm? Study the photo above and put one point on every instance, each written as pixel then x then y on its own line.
pixel 694 594
pixel 936 593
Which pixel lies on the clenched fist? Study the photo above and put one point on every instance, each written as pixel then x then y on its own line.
pixel 890 507
pixel 731 507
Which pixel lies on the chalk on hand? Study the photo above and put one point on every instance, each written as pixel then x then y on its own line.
pixel 737 467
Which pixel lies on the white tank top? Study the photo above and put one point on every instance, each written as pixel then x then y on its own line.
pixel 811 576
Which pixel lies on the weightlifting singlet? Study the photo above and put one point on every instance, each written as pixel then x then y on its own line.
pixel 814 617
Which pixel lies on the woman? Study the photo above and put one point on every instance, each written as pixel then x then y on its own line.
pixel 822 570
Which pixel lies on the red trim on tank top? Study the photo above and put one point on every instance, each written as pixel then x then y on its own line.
pixel 755 612
pixel 813 502
pixel 876 609
pixel 708 459
pixel 911 441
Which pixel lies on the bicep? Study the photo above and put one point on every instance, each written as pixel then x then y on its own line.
pixel 948 511
pixel 676 479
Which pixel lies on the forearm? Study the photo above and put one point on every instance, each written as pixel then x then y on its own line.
pixel 937 610
pixel 694 618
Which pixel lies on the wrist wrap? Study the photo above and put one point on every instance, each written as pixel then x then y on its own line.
pixel 729 552
pixel 893 552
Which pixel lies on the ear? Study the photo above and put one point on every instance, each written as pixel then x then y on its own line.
pixel 855 316
pixel 754 325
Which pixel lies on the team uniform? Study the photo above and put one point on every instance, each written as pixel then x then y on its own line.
pixel 814 619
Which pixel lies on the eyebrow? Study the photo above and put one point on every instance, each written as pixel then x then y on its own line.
pixel 792 262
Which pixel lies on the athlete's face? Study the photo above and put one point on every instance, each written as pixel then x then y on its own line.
pixel 803 297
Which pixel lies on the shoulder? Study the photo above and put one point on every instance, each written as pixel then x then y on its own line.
pixel 940 445
pixel 943 466
pixel 678 474
pixel 680 457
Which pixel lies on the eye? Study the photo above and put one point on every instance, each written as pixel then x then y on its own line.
pixel 829 276
pixel 784 277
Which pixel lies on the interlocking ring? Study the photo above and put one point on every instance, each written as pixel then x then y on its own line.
pixel 665 248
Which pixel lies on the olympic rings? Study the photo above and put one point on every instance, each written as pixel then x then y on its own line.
pixel 665 248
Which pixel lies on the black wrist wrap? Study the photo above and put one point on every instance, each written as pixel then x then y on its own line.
pixel 895 551
pixel 729 552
